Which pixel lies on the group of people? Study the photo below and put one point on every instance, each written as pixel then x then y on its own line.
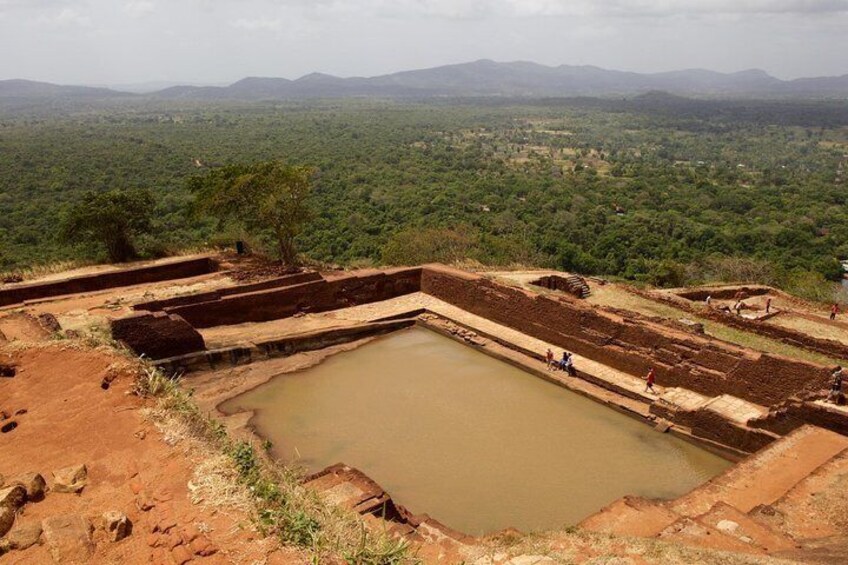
pixel 739 305
pixel 566 363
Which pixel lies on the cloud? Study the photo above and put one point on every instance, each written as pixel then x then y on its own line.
pixel 259 24
pixel 661 8
pixel 482 9
pixel 139 8
pixel 66 17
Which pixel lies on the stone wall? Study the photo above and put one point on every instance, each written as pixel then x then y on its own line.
pixel 707 366
pixel 110 279
pixel 318 296
pixel 280 282
pixel 723 293
pixel 788 336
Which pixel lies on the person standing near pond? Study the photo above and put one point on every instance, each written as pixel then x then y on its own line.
pixel 836 388
pixel 549 359
pixel 651 378
pixel 564 361
pixel 569 366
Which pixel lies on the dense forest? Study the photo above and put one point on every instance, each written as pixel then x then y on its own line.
pixel 659 189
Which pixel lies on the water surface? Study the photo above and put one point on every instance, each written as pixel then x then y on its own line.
pixel 474 442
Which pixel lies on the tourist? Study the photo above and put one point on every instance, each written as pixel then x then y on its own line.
pixel 569 366
pixel 708 300
pixel 738 307
pixel 834 311
pixel 768 305
pixel 549 359
pixel 564 361
pixel 651 378
pixel 836 387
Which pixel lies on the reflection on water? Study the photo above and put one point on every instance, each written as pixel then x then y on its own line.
pixel 476 443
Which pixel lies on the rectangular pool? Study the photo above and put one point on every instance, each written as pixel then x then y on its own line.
pixel 474 442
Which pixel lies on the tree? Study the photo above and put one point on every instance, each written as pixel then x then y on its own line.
pixel 263 197
pixel 111 219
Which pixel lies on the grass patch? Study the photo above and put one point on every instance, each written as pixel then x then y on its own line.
pixel 239 474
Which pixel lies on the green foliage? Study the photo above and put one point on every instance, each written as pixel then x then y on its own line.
pixel 811 286
pixel 430 245
pixel 611 188
pixel 109 219
pixel 262 197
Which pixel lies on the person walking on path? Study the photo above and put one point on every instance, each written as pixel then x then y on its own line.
pixel 768 305
pixel 651 378
pixel 738 307
pixel 708 300
pixel 549 359
pixel 834 310
pixel 836 387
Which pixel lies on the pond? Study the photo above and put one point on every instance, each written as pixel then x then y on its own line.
pixel 472 441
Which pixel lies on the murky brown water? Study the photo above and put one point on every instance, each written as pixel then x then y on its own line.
pixel 470 440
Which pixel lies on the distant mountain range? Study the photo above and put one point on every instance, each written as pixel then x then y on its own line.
pixel 479 78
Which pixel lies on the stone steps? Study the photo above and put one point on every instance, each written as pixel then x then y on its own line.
pixel 758 536
pixel 631 516
pixel 726 511
pixel 766 476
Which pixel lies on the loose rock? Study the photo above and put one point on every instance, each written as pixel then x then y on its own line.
pixel 49 322
pixel 7 518
pixel 117 525
pixel 68 538
pixel 34 484
pixel 25 536
pixel 13 497
pixel 70 479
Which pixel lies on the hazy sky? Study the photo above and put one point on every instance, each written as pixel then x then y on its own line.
pixel 220 41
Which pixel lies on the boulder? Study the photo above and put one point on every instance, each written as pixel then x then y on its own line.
pixel 70 479
pixel 117 525
pixel 158 335
pixel 7 518
pixel 24 536
pixel 49 322
pixel 13 497
pixel 68 538
pixel 34 484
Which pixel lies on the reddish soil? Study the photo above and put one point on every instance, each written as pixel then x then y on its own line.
pixel 71 420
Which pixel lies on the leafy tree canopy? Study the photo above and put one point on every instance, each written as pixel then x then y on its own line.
pixel 109 219
pixel 267 197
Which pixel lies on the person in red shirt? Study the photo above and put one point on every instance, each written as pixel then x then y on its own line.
pixel 834 311
pixel 652 376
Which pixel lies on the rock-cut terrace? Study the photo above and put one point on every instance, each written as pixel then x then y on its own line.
pixel 766 411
